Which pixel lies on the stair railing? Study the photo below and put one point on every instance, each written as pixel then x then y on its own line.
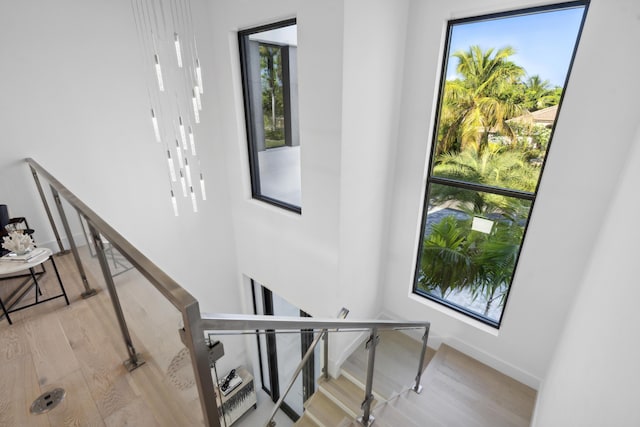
pixel 195 322
pixel 251 323
pixel 322 335
pixel 192 334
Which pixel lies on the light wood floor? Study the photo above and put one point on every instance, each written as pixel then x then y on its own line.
pixel 79 348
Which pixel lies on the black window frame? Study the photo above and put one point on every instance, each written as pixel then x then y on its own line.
pixel 249 112
pixel 523 195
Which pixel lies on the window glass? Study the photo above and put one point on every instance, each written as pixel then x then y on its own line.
pixel 504 77
pixel 269 70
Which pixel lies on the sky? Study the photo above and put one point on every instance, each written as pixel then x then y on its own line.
pixel 543 41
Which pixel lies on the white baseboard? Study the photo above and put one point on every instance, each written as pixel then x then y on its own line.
pixel 78 239
pixel 494 362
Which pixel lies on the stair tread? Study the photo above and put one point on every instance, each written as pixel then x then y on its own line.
pixel 323 411
pixel 463 391
pixel 345 393
pixel 348 422
pixel 396 363
pixel 305 421
pixel 389 415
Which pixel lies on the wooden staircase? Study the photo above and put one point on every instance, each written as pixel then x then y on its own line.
pixel 457 390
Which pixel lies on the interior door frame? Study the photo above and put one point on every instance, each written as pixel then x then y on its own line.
pixel 306 337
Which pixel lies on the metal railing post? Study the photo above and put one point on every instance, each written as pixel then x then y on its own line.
pixel 135 360
pixel 367 419
pixel 325 352
pixel 310 350
pixel 88 291
pixel 417 387
pixel 195 342
pixel 342 314
pixel 47 210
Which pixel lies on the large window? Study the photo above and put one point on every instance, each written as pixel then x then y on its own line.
pixel 269 75
pixel 503 80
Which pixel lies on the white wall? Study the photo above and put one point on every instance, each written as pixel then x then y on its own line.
pixel 74 98
pixel 592 139
pixel 350 59
pixel 594 375
pixel 294 255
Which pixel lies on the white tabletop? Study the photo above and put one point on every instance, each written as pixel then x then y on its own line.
pixel 9 267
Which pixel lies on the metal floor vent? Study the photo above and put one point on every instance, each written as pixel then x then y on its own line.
pixel 47 401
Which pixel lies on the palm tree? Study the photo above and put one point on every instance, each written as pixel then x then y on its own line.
pixel 446 263
pixel 472 105
pixel 495 167
pixel 539 93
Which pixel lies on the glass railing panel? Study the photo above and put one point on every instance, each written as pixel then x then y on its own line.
pixel 163 389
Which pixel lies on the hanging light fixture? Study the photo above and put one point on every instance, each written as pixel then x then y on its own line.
pixel 194 102
pixel 159 73
pixel 192 142
pixel 202 189
pixel 174 203
pixel 176 40
pixel 174 88
pixel 156 129
pixel 183 183
pixel 179 155
pixel 172 169
pixel 199 75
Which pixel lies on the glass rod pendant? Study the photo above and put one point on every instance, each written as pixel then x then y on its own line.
pixel 204 193
pixel 174 203
pixel 193 201
pixel 183 136
pixel 196 91
pixel 172 169
pixel 179 154
pixel 176 41
pixel 159 73
pixel 196 113
pixel 192 142
pixel 156 129
pixel 183 183
pixel 199 75
pixel 187 169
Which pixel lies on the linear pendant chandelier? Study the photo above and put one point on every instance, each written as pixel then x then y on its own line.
pixel 174 86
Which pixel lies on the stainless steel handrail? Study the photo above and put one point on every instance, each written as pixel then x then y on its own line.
pixel 243 322
pixel 323 334
pixel 193 334
pixel 196 323
pixel 240 322
pixel 171 290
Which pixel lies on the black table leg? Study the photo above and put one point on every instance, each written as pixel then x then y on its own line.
pixel 4 310
pixel 55 267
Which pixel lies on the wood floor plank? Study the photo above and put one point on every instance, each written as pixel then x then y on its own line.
pixel 169 408
pixel 136 414
pixel 13 342
pixel 19 389
pixel 76 409
pixel 80 348
pixel 52 354
pixel 99 362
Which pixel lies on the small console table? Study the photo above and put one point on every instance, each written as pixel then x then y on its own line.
pixel 11 267
pixel 239 400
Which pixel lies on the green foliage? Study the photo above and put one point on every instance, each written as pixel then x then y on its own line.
pixel 455 257
pixel 478 143
pixel 495 167
pixel 272 86
pixel 446 262
pixel 473 106
pixel 491 91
